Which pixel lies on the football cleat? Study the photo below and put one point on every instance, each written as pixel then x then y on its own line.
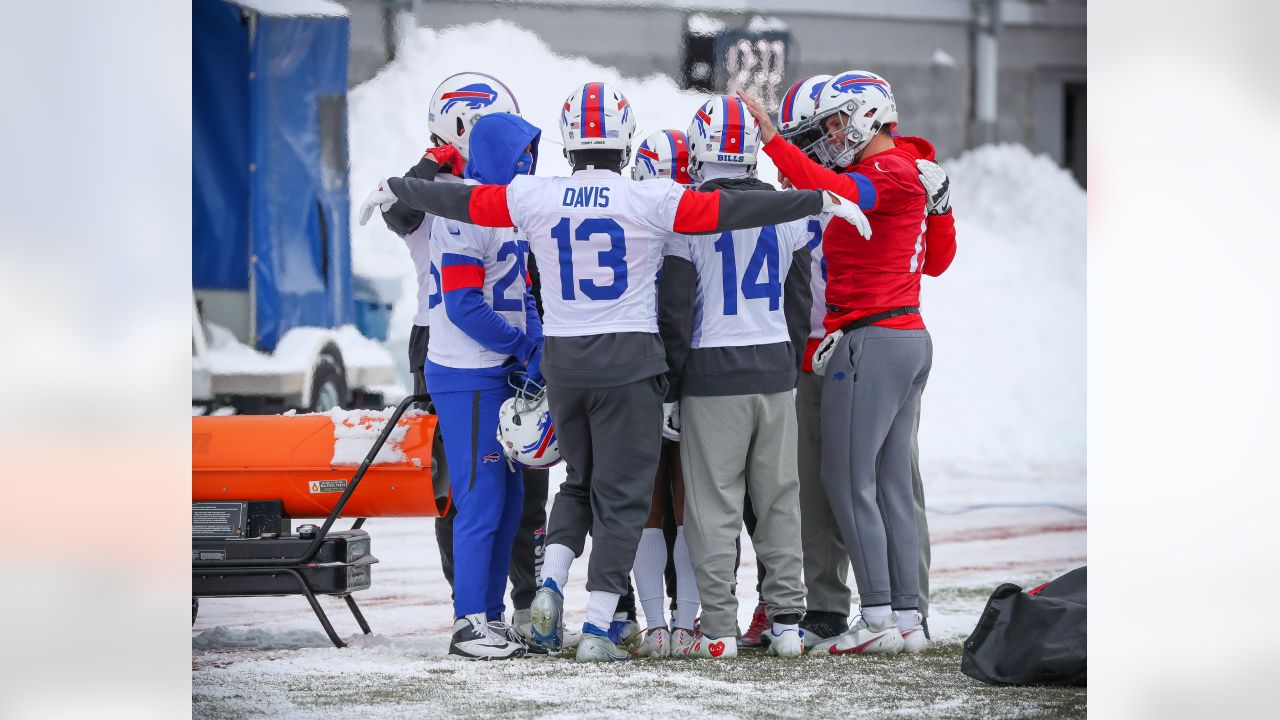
pixel 789 643
pixel 709 647
pixel 595 646
pixel 822 628
pixel 757 633
pixel 475 639
pixel 657 643
pixel 682 640
pixel 864 639
pixel 913 638
pixel 625 633
pixel 546 616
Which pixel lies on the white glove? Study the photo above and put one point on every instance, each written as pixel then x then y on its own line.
pixel 381 198
pixel 671 421
pixel 846 209
pixel 824 350
pixel 937 187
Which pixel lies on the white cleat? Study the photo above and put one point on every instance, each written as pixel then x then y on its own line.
pixel 682 640
pixel 709 647
pixel 863 639
pixel 790 643
pixel 546 616
pixel 599 648
pixel 913 639
pixel 475 639
pixel 657 643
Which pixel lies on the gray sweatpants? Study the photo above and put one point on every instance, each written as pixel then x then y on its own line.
pixel 731 445
pixel 869 403
pixel 826 562
pixel 610 439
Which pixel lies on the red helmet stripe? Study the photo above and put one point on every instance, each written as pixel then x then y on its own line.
pixel 734 136
pixel 593 110
pixel 679 158
pixel 788 102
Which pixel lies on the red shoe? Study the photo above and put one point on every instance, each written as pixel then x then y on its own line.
pixel 755 635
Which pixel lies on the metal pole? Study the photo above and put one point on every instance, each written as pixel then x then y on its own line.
pixel 986 69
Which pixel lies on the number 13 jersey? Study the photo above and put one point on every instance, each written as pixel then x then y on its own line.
pixel 598 239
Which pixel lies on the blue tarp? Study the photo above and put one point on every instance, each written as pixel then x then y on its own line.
pixel 270 157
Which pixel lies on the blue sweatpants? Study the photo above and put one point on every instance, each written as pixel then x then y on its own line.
pixel 488 495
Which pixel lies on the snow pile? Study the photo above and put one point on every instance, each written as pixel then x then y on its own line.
pixel 388 121
pixel 355 431
pixel 1007 392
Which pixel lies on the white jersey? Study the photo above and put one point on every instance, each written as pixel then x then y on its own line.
pixel 814 228
pixel 459 254
pixel 598 239
pixel 741 274
pixel 419 243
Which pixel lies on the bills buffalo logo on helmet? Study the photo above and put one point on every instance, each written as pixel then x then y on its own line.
pixel 475 96
pixel 546 436
pixel 491 457
pixel 856 83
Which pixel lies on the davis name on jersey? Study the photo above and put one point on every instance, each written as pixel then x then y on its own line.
pixel 597 267
pixel 463 256
pixel 738 300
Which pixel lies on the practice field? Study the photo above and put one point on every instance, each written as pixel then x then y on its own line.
pixel 267 656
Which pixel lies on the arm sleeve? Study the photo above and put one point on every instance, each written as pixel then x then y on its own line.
pixel 462 278
pixel 797 301
pixel 402 219
pixel 484 205
pixel 699 213
pixel 676 287
pixel 809 175
pixel 939 243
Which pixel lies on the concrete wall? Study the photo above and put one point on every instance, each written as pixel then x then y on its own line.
pixel 1042 46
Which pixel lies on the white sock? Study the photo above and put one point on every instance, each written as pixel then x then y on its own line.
pixel 878 615
pixel 600 608
pixel 908 619
pixel 686 584
pixel 779 628
pixel 651 563
pixel 556 560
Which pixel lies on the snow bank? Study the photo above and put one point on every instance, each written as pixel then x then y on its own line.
pixel 295 352
pixel 1007 391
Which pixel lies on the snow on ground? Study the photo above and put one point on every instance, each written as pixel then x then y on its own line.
pixel 1002 446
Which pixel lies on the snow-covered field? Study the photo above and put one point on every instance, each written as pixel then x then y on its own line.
pixel 1002 446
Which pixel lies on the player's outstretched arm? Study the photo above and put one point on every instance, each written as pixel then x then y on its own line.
pixel 701 213
pixel 484 205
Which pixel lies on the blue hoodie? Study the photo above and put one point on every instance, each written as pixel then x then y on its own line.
pixel 497 148
pixel 498 143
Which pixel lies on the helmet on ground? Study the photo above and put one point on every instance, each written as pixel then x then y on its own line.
pixel 722 131
pixel 664 154
pixel 864 103
pixel 797 109
pixel 525 431
pixel 597 117
pixel 461 100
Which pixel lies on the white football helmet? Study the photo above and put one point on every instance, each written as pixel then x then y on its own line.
pixel 722 131
pixel 597 117
pixel 796 113
pixel 864 103
pixel 664 154
pixel 525 431
pixel 463 99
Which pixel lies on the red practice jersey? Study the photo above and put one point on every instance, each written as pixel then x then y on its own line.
pixel 865 277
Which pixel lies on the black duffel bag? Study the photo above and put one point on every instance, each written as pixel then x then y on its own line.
pixel 1032 638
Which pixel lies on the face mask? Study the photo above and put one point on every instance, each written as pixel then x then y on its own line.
pixel 524 165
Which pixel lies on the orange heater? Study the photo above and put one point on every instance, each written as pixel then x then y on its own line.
pixel 306 462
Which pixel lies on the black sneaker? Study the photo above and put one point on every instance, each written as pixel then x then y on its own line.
pixel 510 632
pixel 820 627
pixel 475 639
